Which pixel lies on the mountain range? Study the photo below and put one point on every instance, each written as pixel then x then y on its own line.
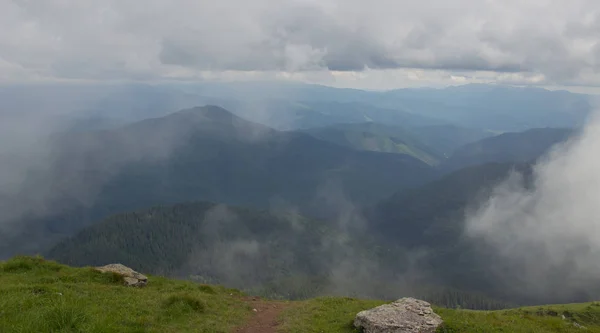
pixel 204 154
pixel 321 194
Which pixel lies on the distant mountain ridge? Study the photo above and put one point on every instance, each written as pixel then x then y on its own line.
pixel 203 153
pixel 431 144
pixel 377 137
pixel 517 147
pixel 306 114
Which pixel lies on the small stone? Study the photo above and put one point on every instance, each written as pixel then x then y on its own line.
pixel 254 310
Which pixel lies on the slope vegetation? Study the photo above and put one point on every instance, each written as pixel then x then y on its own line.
pixel 274 254
pixel 267 253
pixel 43 296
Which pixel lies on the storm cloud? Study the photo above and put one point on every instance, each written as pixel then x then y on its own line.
pixel 557 42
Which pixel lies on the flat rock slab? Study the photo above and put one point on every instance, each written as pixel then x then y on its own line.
pixel 130 277
pixel 406 315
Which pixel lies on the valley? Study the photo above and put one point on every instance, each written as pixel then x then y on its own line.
pixel 320 207
pixel 299 166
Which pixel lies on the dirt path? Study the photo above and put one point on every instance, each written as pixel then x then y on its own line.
pixel 265 318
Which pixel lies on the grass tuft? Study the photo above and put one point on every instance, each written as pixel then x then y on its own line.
pixel 183 304
pixel 64 318
pixel 22 264
pixel 207 289
pixel 39 290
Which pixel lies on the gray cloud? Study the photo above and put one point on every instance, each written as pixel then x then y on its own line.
pixel 133 39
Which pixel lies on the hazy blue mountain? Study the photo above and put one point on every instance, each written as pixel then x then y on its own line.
pixel 508 147
pixel 290 115
pixel 202 154
pixel 378 137
pixel 494 107
pixel 444 139
pixel 431 144
pixel 285 105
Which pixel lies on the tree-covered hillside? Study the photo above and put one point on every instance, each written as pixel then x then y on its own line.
pixel 282 256
pixel 197 154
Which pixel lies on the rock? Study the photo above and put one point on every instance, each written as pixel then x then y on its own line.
pixel 130 277
pixel 406 315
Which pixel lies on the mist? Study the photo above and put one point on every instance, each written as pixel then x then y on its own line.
pixel 546 230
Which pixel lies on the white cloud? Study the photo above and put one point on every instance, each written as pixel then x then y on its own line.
pixel 549 233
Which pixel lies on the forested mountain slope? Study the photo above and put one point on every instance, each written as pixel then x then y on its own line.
pixel 378 137
pixel 198 154
pixel 277 255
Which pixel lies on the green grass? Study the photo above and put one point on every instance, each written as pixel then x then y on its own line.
pixel 336 315
pixel 328 314
pixel 42 296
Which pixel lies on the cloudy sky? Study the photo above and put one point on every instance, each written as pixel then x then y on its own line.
pixel 354 43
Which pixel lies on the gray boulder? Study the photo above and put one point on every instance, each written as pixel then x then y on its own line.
pixel 130 277
pixel 406 315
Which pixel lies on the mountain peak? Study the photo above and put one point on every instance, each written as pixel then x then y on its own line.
pixel 211 112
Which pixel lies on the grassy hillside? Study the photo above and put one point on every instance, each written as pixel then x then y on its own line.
pixel 43 296
pixel 335 315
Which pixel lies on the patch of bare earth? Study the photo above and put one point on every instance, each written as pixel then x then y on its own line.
pixel 265 317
